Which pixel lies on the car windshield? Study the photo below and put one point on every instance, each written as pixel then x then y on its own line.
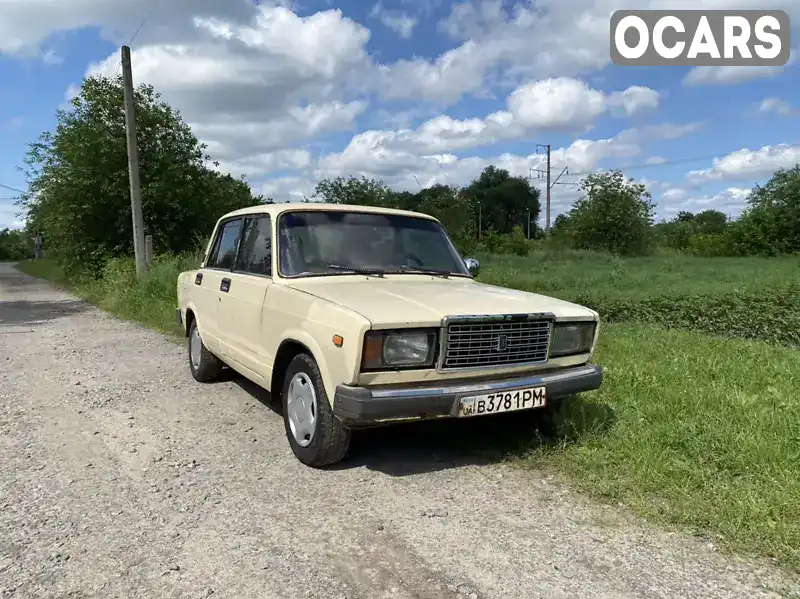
pixel 317 242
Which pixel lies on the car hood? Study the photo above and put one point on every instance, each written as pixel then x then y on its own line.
pixel 404 300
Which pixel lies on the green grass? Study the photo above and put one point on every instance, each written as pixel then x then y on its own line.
pixel 749 298
pixel 694 431
pixel 570 274
pixel 690 430
pixel 47 268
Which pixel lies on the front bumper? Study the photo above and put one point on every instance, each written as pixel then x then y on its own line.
pixel 364 405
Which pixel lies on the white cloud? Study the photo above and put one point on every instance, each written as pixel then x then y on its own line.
pixel 731 201
pixel 398 21
pixel 776 105
pixel 661 131
pixel 265 87
pixel 267 162
pixel 551 105
pixel 748 165
pixel 525 40
pixel 634 99
pixel 8 215
pixel 673 194
pixel 253 90
pixel 287 189
pixel 556 104
pixel 729 75
pixel 374 154
pixel 735 75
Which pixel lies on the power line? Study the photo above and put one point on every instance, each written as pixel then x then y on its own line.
pixel 8 187
pixel 646 165
pixel 153 5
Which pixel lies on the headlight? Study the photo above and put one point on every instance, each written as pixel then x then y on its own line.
pixel 398 349
pixel 571 338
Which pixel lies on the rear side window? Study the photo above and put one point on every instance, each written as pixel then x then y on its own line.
pixel 224 252
pixel 255 256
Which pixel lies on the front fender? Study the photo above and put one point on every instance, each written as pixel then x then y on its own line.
pixel 306 339
pixel 313 322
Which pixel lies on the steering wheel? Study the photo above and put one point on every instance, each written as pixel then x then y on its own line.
pixel 416 259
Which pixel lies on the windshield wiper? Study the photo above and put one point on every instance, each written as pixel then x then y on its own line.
pixel 426 271
pixel 361 271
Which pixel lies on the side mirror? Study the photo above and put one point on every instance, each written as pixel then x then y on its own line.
pixel 473 266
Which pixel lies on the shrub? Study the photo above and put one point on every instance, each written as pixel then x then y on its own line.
pixel 770 314
pixel 516 243
pixel 615 214
pixel 710 245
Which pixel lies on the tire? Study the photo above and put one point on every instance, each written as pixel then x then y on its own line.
pixel 206 367
pixel 326 440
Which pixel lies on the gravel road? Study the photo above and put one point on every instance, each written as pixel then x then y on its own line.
pixel 122 477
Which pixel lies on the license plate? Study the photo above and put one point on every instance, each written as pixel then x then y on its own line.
pixel 507 401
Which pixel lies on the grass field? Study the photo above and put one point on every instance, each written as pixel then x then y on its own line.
pixel 692 430
pixel 576 273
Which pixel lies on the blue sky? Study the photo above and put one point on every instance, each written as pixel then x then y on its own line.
pixel 409 90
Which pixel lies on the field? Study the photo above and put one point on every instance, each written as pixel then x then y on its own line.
pixel 697 425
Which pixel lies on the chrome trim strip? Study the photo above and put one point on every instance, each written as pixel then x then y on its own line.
pixel 460 387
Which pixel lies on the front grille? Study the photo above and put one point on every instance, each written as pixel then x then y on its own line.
pixel 486 343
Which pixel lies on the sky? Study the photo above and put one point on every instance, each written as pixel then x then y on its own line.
pixel 412 92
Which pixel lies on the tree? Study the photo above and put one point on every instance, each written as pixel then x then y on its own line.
pixel 614 215
pixel 14 245
pixel 357 191
pixel 451 208
pixel 78 179
pixel 771 222
pixel 710 222
pixel 504 200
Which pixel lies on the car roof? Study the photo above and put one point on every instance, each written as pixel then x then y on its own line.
pixel 275 209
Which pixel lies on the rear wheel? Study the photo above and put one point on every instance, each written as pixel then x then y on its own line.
pixel 204 365
pixel 316 436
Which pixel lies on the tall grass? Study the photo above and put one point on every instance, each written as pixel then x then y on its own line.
pixel 151 301
pixel 571 273
pixel 750 298
pixel 697 432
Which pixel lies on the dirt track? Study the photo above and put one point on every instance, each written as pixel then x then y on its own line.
pixel 122 477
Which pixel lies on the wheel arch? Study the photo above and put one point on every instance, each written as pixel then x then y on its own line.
pixel 288 349
pixel 189 319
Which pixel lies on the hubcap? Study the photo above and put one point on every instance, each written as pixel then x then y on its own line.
pixel 195 347
pixel 301 409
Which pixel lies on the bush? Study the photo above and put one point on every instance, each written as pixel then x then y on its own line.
pixel 770 314
pixel 151 300
pixel 615 215
pixel 515 243
pixel 710 246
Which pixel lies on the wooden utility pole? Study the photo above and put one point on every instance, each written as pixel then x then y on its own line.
pixel 133 165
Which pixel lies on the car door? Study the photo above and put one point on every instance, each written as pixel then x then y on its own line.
pixel 242 306
pixel 213 279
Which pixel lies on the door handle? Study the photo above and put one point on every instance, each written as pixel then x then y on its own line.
pixel 225 285
pixel 198 278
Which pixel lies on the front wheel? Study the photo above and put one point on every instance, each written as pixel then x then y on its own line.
pixel 316 436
